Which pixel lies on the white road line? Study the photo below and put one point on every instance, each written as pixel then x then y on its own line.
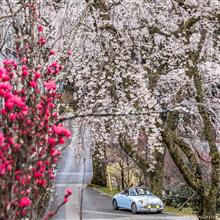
pixel 104 213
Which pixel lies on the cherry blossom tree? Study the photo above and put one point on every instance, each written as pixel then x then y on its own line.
pixel 111 85
pixel 155 57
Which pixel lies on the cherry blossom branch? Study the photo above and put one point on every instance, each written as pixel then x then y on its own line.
pixel 105 115
pixel 12 15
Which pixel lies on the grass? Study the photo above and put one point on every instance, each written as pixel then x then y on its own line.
pixel 105 190
pixel 184 211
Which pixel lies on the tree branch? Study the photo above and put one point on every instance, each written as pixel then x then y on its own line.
pixel 168 138
pixel 105 115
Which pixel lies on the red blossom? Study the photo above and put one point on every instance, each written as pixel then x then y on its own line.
pixel 40 28
pixel 4 75
pixel 65 200
pixel 2 169
pixel 5 89
pixel 68 192
pixel 2 138
pixel 52 105
pixel 25 70
pixel 24 202
pixel 54 152
pixel 37 75
pixel 37 174
pixel 42 41
pixel 41 182
pixel 24 60
pixel 33 84
pixel 27 118
pixel 69 53
pixel 51 141
pixel 61 141
pixel 55 115
pixel 60 130
pixel 12 116
pixel 52 53
pixel 50 85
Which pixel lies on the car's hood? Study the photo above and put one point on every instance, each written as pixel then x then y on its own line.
pixel 147 199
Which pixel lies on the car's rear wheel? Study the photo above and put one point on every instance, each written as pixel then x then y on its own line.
pixel 134 208
pixel 114 204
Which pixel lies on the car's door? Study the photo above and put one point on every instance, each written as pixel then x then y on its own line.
pixel 121 200
pixel 125 200
pixel 129 199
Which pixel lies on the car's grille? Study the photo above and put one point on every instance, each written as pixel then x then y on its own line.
pixel 153 206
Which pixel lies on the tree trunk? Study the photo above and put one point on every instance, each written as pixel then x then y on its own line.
pixel 146 179
pixel 122 179
pixel 122 174
pixel 118 185
pixel 156 177
pixel 99 169
pixel 208 206
pixel 99 173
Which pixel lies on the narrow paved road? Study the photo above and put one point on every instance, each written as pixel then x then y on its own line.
pixel 75 172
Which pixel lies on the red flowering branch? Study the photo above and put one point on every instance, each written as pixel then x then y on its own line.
pixel 29 135
pixel 68 193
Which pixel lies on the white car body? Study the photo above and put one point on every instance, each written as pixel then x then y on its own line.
pixel 138 202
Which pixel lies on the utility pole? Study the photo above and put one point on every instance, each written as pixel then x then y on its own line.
pixel 109 179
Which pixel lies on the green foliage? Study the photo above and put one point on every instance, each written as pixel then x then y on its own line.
pixel 181 194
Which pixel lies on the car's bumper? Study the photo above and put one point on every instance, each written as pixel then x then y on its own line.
pixel 150 208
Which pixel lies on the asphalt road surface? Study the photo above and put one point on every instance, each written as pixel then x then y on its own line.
pixel 75 172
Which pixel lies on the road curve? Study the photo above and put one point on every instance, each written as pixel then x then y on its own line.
pixel 75 172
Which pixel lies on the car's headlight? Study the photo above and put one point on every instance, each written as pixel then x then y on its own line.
pixel 141 202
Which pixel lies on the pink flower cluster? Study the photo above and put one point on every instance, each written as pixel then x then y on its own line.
pixel 29 135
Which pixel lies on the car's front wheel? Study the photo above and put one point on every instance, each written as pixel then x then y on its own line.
pixel 134 208
pixel 114 204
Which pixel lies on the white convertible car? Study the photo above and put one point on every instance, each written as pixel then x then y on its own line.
pixel 138 199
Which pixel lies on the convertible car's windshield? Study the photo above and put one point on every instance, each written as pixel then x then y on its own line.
pixel 139 192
